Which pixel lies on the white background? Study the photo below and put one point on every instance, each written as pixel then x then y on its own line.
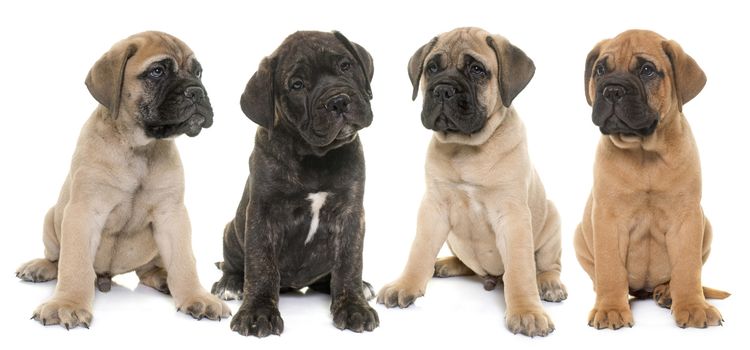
pixel 48 47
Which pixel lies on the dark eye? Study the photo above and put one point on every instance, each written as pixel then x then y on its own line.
pixel 476 69
pixel 199 74
pixel 432 67
pixel 156 72
pixel 648 70
pixel 297 85
pixel 345 66
pixel 600 70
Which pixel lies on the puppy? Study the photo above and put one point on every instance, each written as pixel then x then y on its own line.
pixel 121 207
pixel 643 229
pixel 483 195
pixel 301 222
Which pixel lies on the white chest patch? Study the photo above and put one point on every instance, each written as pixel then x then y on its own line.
pixel 471 192
pixel 316 202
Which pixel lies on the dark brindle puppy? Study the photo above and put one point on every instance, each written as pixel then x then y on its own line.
pixel 300 222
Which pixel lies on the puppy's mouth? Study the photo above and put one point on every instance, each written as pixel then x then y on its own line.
pixel 445 124
pixel 347 132
pixel 191 126
pixel 615 125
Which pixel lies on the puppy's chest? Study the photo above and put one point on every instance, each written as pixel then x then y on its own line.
pixel 134 211
pixel 309 217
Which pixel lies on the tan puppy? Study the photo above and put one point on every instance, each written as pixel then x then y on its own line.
pixel 121 207
pixel 483 196
pixel 643 230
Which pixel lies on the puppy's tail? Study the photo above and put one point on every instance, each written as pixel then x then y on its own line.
pixel 711 293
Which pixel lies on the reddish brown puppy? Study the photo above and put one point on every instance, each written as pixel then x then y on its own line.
pixel 643 230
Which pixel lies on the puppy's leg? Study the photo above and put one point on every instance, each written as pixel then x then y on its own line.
pixel 349 306
pixel 451 266
pixel 687 246
pixel 548 251
pixel 515 242
pixel 432 231
pixel 154 275
pixel 70 305
pixel 610 276
pixel 323 285
pixel 229 287
pixel 172 236
pixel 583 253
pixel 259 313
pixel 42 270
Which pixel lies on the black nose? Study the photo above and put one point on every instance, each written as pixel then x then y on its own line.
pixel 338 104
pixel 613 93
pixel 444 91
pixel 195 93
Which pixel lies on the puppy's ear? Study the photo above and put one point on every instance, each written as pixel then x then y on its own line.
pixel 588 71
pixel 257 101
pixel 416 65
pixel 105 78
pixel 363 58
pixel 688 78
pixel 515 69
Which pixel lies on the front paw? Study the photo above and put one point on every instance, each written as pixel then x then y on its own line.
pixel 699 315
pixel 259 321
pixel 204 305
pixel 530 322
pixel 612 317
pixel 68 314
pixel 399 294
pixel 229 287
pixel 356 317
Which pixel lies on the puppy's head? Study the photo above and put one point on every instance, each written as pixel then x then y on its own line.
pixel 153 79
pixel 636 80
pixel 315 84
pixel 466 76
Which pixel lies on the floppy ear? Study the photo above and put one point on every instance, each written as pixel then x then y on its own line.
pixel 416 65
pixel 588 71
pixel 515 69
pixel 364 60
pixel 688 78
pixel 105 78
pixel 257 102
